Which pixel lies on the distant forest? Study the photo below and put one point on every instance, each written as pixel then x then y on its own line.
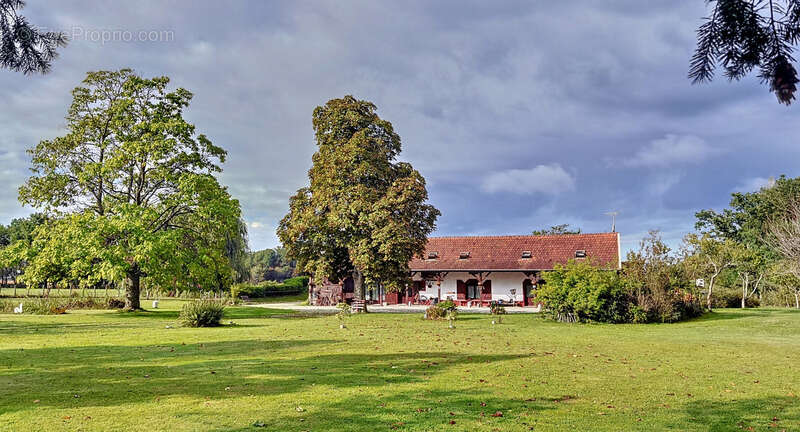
pixel 268 265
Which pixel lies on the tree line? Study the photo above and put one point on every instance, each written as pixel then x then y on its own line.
pixel 130 195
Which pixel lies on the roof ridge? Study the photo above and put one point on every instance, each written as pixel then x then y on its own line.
pixel 523 235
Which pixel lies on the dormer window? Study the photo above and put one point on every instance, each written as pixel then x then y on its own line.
pixel 433 255
pixel 463 255
pixel 580 253
pixel 526 254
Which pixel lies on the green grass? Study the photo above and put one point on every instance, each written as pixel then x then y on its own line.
pixel 102 370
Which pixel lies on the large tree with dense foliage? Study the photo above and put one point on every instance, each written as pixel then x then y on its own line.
pixel 747 218
pixel 364 214
pixel 743 35
pixel 134 189
pixel 23 47
pixel 15 239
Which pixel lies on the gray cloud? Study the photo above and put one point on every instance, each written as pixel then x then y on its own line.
pixel 476 89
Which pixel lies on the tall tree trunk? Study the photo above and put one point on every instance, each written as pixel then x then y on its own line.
pixel 132 290
pixel 745 283
pixel 710 290
pixel 797 299
pixel 358 286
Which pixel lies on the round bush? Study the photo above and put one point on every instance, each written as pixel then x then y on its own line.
pixel 202 313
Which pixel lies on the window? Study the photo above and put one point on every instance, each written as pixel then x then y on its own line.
pixel 463 255
pixel 473 292
pixel 526 254
pixel 433 255
pixel 580 253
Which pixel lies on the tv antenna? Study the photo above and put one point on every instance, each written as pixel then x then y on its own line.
pixel 613 215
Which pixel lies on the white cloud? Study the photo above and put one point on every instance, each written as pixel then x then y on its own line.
pixel 547 179
pixel 672 150
pixel 753 184
pixel 256 225
pixel 659 185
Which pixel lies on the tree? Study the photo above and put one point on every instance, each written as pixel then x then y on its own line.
pixel 364 215
pixel 5 240
pixel 557 230
pixel 14 240
pixel 747 219
pixel 236 250
pixel 751 268
pixel 137 187
pixel 23 47
pixel 21 229
pixel 742 35
pixel 714 256
pixel 784 236
pixel 786 280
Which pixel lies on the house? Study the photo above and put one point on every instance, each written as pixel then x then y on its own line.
pixel 476 270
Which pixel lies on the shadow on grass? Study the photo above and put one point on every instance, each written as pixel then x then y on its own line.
pixel 118 375
pixel 733 314
pixel 18 328
pixel 410 410
pixel 230 313
pixel 768 413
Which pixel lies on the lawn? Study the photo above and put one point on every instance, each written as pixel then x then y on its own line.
pixel 272 370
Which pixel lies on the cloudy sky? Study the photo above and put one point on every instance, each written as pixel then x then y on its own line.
pixel 520 115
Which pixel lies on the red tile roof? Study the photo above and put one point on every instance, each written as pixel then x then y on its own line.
pixel 505 252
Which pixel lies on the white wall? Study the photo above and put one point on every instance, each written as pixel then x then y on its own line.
pixel 502 284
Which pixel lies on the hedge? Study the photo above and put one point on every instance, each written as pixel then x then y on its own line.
pixel 295 285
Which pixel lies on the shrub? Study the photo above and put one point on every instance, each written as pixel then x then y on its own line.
pixel 733 299
pixel 7 306
pixel 344 312
pixel 497 309
pixel 115 303
pixel 60 305
pixel 295 285
pixel 452 315
pixel 201 313
pixel 45 306
pixel 435 312
pixel 447 305
pixel 580 291
pixel 638 315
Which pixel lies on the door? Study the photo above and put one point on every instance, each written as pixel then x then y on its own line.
pixel 486 291
pixel 527 287
pixel 461 290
